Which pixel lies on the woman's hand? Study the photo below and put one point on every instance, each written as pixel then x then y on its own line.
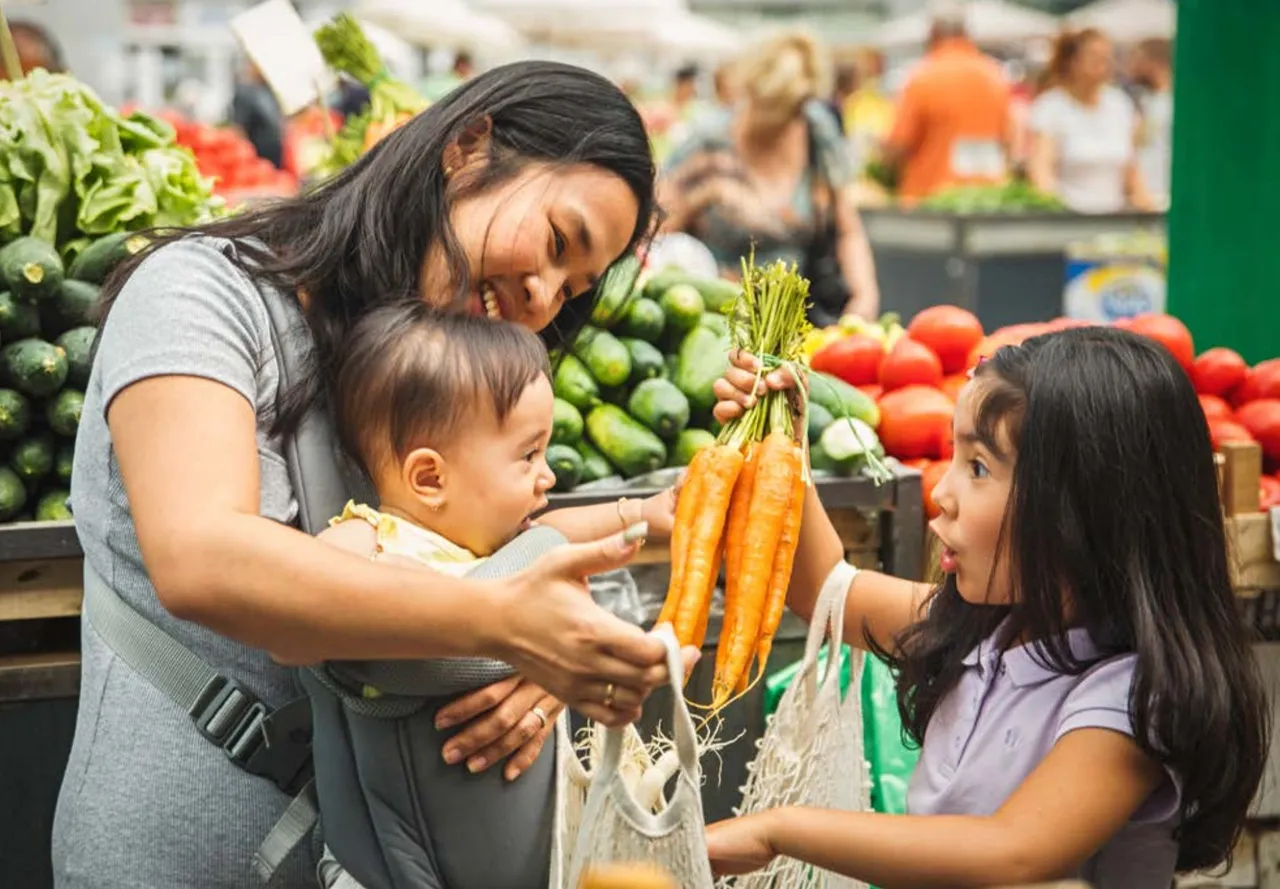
pixel 738 389
pixel 504 720
pixel 545 624
pixel 741 845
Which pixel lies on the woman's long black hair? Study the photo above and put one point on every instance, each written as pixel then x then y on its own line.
pixel 360 239
pixel 1114 511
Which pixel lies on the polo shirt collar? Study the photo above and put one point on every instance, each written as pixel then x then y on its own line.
pixel 1020 663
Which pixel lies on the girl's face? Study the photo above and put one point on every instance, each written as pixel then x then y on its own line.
pixel 972 496
pixel 536 241
pixel 1094 62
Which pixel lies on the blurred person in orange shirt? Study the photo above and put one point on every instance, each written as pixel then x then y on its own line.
pixel 953 124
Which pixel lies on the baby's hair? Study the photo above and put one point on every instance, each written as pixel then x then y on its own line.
pixel 409 375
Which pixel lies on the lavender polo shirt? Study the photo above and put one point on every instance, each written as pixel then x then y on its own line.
pixel 1001 720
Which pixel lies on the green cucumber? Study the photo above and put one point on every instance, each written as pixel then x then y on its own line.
pixel 663 280
pixel 18 319
pixel 52 507
pixel 63 463
pixel 72 307
pixel 13 494
pixel 34 367
pixel 30 269
pixel 643 320
pixel 574 383
pixel 97 260
pixel 820 461
pixel 595 465
pixel 662 407
pixel 718 323
pixel 719 295
pixel 63 412
pixel 566 423
pixel 604 355
pixel 78 344
pixel 841 399
pixel 566 463
pixel 704 357
pixel 15 415
pixel 819 419
pixel 614 292
pixel 624 441
pixel 32 458
pixel 682 305
pixel 848 442
pixel 646 360
pixel 687 444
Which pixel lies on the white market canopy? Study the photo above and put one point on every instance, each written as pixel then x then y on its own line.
pixel 1128 21
pixel 439 23
pixel 625 25
pixel 987 21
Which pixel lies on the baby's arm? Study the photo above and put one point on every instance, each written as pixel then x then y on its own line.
pixel 582 524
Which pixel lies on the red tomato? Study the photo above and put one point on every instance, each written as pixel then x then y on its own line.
pixel 1262 381
pixel 920 463
pixel 1169 332
pixel 910 363
pixel 1262 419
pixel 1268 492
pixel 914 422
pixel 1223 431
pixel 1215 408
pixel 854 359
pixel 952 385
pixel 872 391
pixel 929 478
pixel 1013 335
pixel 950 331
pixel 1218 371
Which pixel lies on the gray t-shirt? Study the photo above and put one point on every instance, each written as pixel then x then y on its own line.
pixel 146 801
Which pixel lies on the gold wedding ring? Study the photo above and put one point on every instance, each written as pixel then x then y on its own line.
pixel 609 690
pixel 541 714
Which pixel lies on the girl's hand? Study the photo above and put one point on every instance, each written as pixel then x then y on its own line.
pixel 504 720
pixel 740 845
pixel 737 390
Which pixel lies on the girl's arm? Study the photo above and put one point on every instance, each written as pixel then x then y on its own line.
pixel 1081 795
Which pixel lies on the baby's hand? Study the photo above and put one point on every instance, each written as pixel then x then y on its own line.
pixel 660 509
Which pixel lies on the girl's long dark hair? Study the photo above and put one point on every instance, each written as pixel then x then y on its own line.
pixel 1114 508
pixel 360 239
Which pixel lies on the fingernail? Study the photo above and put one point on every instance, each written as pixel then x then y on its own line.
pixel 775 379
pixel 476 764
pixel 451 755
pixel 750 401
pixel 638 531
pixel 512 774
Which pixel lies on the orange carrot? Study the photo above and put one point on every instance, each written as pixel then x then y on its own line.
pixel 784 558
pixel 702 559
pixel 769 500
pixel 685 520
pixel 700 632
pixel 739 515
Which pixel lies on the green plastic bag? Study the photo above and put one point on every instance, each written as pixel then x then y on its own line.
pixel 892 762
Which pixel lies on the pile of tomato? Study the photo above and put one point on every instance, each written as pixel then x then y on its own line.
pixel 916 378
pixel 225 155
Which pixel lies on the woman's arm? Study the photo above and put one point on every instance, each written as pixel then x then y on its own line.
pixel 188 456
pixel 1043 165
pixel 1135 185
pixel 1080 795
pixel 856 260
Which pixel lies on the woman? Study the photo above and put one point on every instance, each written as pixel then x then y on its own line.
pixel 1084 130
pixel 512 196
pixel 774 175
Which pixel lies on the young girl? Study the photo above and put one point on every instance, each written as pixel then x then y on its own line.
pixel 1081 683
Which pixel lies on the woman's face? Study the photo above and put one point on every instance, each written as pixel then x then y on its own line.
pixel 536 241
pixel 1094 62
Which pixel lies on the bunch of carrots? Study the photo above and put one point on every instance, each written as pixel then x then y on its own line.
pixel 743 497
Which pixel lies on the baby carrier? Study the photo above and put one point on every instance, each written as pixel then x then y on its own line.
pixel 393 813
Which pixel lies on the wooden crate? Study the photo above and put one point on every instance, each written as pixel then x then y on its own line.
pixel 1254 568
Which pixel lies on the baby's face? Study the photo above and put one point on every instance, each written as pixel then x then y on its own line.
pixel 497 476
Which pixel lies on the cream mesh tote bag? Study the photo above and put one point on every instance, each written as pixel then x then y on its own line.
pixel 614 827
pixel 811 753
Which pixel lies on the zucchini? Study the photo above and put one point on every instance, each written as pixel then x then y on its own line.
pixel 662 407
pixel 718 295
pixel 63 463
pixel 614 292
pixel 63 412
pixel 704 357
pixel 595 465
pixel 819 419
pixel 34 367
pixel 566 423
pixel 18 319
pixel 31 269
pixel 682 306
pixel 13 494
pixel 97 260
pixel 77 343
pixel 624 441
pixel 32 458
pixel 566 463
pixel 52 507
pixel 604 355
pixel 687 444
pixel 718 323
pixel 574 383
pixel 15 415
pixel 72 307
pixel 646 360
pixel 842 400
pixel 847 443
pixel 643 320
pixel 663 280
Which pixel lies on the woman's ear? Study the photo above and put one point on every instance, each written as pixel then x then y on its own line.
pixel 423 474
pixel 470 146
